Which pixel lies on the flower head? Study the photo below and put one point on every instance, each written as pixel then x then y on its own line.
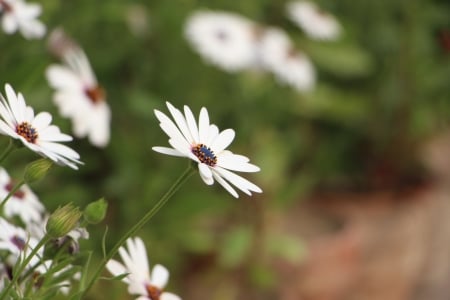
pixel 17 241
pixel 316 23
pixel 35 132
pixel 78 94
pixel 290 66
pixel 223 39
pixel 139 279
pixel 204 144
pixel 23 203
pixel 18 15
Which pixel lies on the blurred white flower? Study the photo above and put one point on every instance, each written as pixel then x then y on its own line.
pixel 23 203
pixel 223 39
pixel 35 132
pixel 315 22
pixel 18 242
pixel 19 15
pixel 205 145
pixel 78 94
pixel 277 54
pixel 139 279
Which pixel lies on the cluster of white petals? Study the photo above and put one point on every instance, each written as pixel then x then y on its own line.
pixel 234 43
pixel 315 22
pixel 17 15
pixel 141 282
pixel 35 132
pixel 206 145
pixel 78 95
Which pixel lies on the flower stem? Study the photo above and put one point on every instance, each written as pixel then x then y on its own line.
pixel 7 150
pixel 11 193
pixel 189 171
pixel 21 265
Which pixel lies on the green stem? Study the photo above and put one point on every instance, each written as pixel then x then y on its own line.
pixel 11 193
pixel 137 226
pixel 7 151
pixel 22 265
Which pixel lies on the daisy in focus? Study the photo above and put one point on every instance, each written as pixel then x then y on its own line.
pixel 204 144
pixel 78 95
pixel 23 203
pixel 316 23
pixel 35 132
pixel 290 66
pixel 223 39
pixel 19 15
pixel 140 281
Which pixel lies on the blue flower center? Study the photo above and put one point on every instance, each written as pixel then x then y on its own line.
pixel 204 154
pixel 25 130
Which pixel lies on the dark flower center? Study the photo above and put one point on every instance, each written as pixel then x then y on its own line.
pixel 18 194
pixel 25 130
pixel 96 94
pixel 222 35
pixel 153 292
pixel 18 242
pixel 204 154
pixel 5 6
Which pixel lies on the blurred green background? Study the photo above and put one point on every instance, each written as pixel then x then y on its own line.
pixel 382 90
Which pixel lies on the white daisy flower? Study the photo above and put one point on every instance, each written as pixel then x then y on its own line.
pixel 23 203
pixel 35 132
pixel 223 39
pixel 140 281
pixel 205 145
pixel 315 22
pixel 17 241
pixel 19 15
pixel 78 94
pixel 277 54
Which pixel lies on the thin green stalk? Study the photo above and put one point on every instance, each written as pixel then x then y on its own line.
pixel 22 265
pixel 11 193
pixel 7 151
pixel 189 171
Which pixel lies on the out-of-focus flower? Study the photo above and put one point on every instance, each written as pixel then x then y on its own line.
pixel 290 66
pixel 23 203
pixel 315 22
pixel 19 15
pixel 139 279
pixel 35 132
pixel 17 241
pixel 205 145
pixel 223 39
pixel 78 94
pixel 46 266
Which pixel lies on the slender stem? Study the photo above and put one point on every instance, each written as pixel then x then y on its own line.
pixel 189 171
pixel 11 193
pixel 7 150
pixel 22 265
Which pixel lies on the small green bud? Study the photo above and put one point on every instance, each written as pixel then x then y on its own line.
pixel 63 220
pixel 37 170
pixel 95 212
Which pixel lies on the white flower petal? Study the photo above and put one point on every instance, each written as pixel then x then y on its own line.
pixel 181 122
pixel 168 151
pixel 159 276
pixel 223 140
pixel 205 173
pixel 169 296
pixel 225 185
pixel 238 181
pixel 116 269
pixel 203 126
pixel 192 125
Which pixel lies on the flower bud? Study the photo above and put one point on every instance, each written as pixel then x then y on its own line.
pixel 37 170
pixel 63 220
pixel 95 212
